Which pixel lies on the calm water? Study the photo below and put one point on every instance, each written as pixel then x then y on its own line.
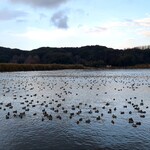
pixel 75 109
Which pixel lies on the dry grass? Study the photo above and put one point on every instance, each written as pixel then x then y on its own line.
pixel 45 67
pixel 36 67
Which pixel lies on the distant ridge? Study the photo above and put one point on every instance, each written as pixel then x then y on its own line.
pixel 90 56
pixel 143 47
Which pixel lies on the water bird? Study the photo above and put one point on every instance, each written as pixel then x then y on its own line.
pixel 98 118
pixel 130 112
pixel 107 104
pixel 112 122
pixel 7 117
pixel 50 117
pixel 130 120
pixel 59 117
pixel 122 112
pixel 138 123
pixel 134 125
pixel 77 122
pixel 80 119
pixel 142 116
pixel 96 111
pixel 114 116
pixel 88 121
pixel 109 111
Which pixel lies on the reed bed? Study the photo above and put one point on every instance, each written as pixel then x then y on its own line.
pixel 37 67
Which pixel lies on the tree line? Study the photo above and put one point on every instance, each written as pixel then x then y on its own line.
pixel 90 56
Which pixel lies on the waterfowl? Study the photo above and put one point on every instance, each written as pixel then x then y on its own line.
pixel 98 118
pixel 107 104
pixel 112 122
pixel 80 119
pixel 88 121
pixel 114 116
pixel 34 114
pixel 134 125
pixel 7 117
pixel 110 111
pixel 130 120
pixel 138 123
pixel 77 122
pixel 142 116
pixel 130 112
pixel 59 117
pixel 122 112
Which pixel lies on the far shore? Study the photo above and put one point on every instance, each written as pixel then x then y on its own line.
pixel 47 67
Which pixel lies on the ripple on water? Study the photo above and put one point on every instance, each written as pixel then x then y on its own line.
pixel 91 93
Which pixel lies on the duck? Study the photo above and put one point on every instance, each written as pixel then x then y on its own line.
pixel 98 118
pixel 88 121
pixel 112 121
pixel 130 120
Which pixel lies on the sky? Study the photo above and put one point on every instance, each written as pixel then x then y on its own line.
pixel 30 24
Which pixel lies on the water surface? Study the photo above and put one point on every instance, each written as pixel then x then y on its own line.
pixel 73 95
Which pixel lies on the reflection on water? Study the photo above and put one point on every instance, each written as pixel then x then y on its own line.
pixel 75 109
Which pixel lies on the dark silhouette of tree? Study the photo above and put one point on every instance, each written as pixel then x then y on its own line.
pixel 93 56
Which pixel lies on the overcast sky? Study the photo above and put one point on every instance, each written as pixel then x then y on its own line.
pixel 29 24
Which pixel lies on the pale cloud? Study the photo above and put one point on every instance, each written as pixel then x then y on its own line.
pixel 142 25
pixel 60 20
pixel 96 30
pixel 21 20
pixel 107 29
pixel 137 26
pixel 45 35
pixel 145 33
pixel 41 3
pixel 6 14
pixel 116 24
pixel 145 22
pixel 127 43
pixel 104 28
pixel 37 34
pixel 42 16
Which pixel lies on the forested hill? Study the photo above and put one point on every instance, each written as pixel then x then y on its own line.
pixel 93 56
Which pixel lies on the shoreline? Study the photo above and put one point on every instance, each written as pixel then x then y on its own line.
pixel 49 67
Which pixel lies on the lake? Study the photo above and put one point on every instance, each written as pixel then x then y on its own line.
pixel 75 109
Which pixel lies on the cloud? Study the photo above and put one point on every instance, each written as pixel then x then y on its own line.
pixel 21 20
pixel 6 14
pixel 37 34
pixel 143 22
pixel 145 33
pixel 96 30
pixel 41 3
pixel 142 25
pixel 42 16
pixel 60 20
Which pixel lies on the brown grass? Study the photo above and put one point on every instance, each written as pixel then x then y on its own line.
pixel 36 67
pixel 45 67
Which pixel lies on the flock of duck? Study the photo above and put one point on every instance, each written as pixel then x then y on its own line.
pixel 82 99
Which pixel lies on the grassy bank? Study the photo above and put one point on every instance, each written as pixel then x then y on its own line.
pixel 46 67
pixel 36 67
pixel 142 66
